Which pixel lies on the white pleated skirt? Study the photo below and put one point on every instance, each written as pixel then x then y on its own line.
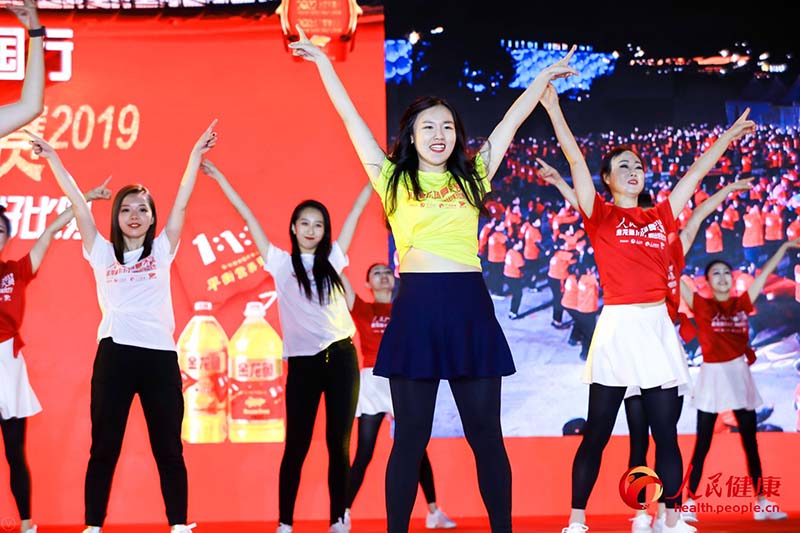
pixel 636 347
pixel 726 386
pixel 17 399
pixel 374 394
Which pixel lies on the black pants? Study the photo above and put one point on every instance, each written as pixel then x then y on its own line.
pixel 660 407
pixel 515 287
pixel 333 371
pixel 640 434
pixel 558 293
pixel 368 426
pixel 478 403
pixel 120 372
pixel 14 440
pixel 585 323
pixel 746 421
pixel 494 280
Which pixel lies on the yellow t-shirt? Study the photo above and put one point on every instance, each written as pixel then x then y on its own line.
pixel 442 221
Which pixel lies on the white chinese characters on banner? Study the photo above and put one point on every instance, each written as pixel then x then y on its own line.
pixel 12 52
pixel 29 214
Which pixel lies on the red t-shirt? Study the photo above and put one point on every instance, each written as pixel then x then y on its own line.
pixel 514 261
pixel 14 279
pixel 559 264
pixel 588 293
pixel 676 265
pixel 371 320
pixel 722 328
pixel 570 298
pixel 773 226
pixel 713 238
pixel 532 236
pixel 497 247
pixel 730 217
pixel 631 250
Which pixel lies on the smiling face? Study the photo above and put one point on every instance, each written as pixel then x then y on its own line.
pixel 719 278
pixel 135 215
pixel 626 175
pixel 309 228
pixel 434 138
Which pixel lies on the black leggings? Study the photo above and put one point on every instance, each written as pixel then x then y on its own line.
pixel 746 420
pixel 478 403
pixel 661 411
pixel 368 426
pixel 333 371
pixel 640 434
pixel 14 440
pixel 120 372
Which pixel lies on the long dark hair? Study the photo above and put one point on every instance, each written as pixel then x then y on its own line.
pixel 117 237
pixel 605 163
pixel 325 277
pixel 406 161
pixel 5 219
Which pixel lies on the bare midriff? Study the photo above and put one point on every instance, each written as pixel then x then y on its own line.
pixel 416 260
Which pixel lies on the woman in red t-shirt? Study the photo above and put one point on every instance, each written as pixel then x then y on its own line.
pixel 634 344
pixel 725 381
pixel 17 399
pixel 374 394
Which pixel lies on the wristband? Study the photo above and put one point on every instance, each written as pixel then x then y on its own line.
pixel 37 32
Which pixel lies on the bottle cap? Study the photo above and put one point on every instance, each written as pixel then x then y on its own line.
pixel 254 309
pixel 202 306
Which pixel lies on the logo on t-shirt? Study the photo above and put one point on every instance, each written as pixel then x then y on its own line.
pixel 652 235
pixel 7 286
pixel 448 196
pixel 737 323
pixel 379 323
pixel 141 271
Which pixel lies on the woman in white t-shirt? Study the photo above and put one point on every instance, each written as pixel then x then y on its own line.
pixel 317 341
pixel 136 351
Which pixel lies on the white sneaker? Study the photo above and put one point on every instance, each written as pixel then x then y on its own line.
pixel 284 528
pixel 32 529
pixel 763 511
pixel 641 523
pixel 679 527
pixel 689 516
pixel 346 520
pixel 91 529
pixel 182 528
pixel 338 527
pixel 659 522
pixel 438 520
pixel 575 527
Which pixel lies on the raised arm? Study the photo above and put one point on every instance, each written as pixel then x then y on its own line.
pixel 29 106
pixel 256 232
pixel 496 145
pixel 551 176
pixel 349 293
pixel 40 247
pixel 67 183
pixel 369 151
pixel 705 209
pixel 350 223
pixel 769 268
pixel 178 214
pixel 687 294
pixel 685 188
pixel 581 177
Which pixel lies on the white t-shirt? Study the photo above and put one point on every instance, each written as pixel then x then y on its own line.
pixel 135 298
pixel 308 327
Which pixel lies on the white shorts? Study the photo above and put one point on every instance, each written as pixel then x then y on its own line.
pixel 724 386
pixel 374 394
pixel 17 399
pixel 636 346
pixel 684 390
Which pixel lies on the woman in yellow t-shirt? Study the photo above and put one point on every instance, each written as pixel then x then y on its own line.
pixel 443 324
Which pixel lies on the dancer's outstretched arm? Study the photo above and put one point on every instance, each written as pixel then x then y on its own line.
pixel 350 223
pixel 551 176
pixel 705 209
pixel 769 268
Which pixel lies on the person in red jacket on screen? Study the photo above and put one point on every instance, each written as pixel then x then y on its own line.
pixel 725 381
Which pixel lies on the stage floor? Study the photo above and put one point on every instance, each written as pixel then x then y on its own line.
pixel 605 524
